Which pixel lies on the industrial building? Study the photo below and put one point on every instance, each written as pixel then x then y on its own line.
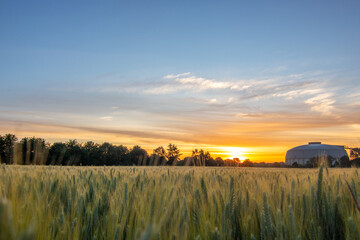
pixel 304 153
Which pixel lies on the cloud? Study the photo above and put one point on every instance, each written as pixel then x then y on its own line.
pixel 165 89
pixel 23 127
pixel 106 118
pixel 321 99
pixel 202 83
pixel 176 75
pixel 206 101
pixel 186 82
pixel 297 93
pixel 188 85
pixel 308 89
pixel 322 103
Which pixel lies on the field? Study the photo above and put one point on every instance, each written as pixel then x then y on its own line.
pixel 178 203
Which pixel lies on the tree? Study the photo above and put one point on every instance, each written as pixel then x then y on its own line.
pixel 173 154
pixel 74 152
pixel 344 161
pixel 196 156
pixel 138 156
pixel 113 155
pixel 201 157
pixel 160 151
pixel 219 161
pixel 354 153
pixel 355 162
pixel 107 154
pixel 121 153
pixel 7 143
pixel 211 162
pixel 158 157
pixel 247 163
pixel 33 151
pixel 58 154
pixel 295 165
pixel 91 154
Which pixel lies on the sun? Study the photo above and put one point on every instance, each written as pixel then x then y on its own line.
pixel 234 152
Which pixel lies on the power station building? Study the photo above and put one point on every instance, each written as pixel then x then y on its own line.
pixel 304 153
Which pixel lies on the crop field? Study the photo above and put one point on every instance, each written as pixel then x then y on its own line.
pixel 39 202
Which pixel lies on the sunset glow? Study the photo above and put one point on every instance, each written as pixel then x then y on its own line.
pixel 239 85
pixel 179 119
pixel 234 152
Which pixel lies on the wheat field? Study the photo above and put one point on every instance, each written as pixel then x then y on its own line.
pixel 42 202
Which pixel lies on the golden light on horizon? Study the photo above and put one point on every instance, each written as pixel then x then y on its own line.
pixel 234 152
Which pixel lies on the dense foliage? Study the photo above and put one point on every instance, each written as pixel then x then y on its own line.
pixel 36 151
pixel 54 202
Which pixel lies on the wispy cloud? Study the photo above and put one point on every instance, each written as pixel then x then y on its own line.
pixel 199 100
pixel 188 82
pixel 176 75
pixel 322 103
pixel 106 118
pixel 290 95
pixel 129 136
pixel 308 89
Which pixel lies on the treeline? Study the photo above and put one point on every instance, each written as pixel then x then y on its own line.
pixel 36 151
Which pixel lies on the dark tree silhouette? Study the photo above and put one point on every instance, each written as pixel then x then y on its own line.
pixel 33 151
pixel 37 151
pixel 201 158
pixel 91 154
pixel 73 152
pixel 344 161
pixel 7 143
pixel 354 153
pixel 173 154
pixel 58 155
pixel 160 151
pixel 113 155
pixel 138 156
pixel 158 158
pixel 247 163
pixel 219 161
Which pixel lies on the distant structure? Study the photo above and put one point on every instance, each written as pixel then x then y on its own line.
pixel 304 153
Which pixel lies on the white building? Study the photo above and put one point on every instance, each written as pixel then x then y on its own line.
pixel 304 153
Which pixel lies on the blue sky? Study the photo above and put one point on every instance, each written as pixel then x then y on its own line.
pixel 210 73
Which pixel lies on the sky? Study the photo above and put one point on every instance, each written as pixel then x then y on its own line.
pixel 247 79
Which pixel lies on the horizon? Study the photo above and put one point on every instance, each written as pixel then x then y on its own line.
pixel 245 80
pixel 225 153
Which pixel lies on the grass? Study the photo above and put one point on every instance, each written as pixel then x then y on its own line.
pixel 42 202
